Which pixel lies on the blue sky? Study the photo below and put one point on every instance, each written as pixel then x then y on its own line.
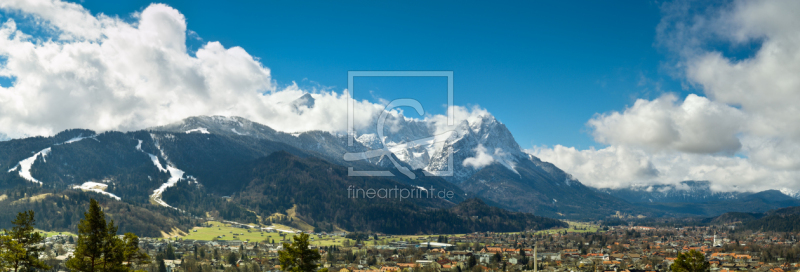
pixel 634 92
pixel 543 69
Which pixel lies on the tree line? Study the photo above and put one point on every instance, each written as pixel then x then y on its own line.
pixel 98 247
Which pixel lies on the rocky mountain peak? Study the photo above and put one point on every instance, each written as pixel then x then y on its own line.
pixel 304 102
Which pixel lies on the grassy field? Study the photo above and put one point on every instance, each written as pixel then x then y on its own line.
pixel 54 233
pixel 228 232
pixel 573 227
pixel 218 229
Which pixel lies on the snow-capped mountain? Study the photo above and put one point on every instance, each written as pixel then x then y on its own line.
pixel 482 157
pixel 684 192
pixel 303 103
pixel 479 142
pixel 478 156
pixel 471 155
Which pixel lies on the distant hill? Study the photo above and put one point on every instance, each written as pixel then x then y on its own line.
pixel 784 220
pixel 63 211
pixel 689 191
pixel 695 198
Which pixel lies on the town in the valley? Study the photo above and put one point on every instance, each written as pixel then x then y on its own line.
pixel 578 248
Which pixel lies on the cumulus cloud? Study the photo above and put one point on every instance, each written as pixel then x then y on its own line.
pixel 620 166
pixel 103 73
pixel 612 167
pixel 697 125
pixel 749 107
pixel 482 158
pixel 106 73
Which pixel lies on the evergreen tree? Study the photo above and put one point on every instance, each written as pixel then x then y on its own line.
pixel 162 267
pixel 98 248
pixel 692 261
pixel 297 257
pixel 21 250
pixel 497 257
pixel 170 253
pixel 11 250
pixel 132 253
pixel 472 262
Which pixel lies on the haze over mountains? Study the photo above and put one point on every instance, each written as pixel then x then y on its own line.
pixel 189 166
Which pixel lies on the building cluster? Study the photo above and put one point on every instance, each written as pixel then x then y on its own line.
pixel 627 248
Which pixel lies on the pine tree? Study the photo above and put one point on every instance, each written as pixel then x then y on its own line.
pixel 170 253
pixel 162 267
pixel 20 246
pixel 297 257
pixel 472 261
pixel 132 253
pixel 692 261
pixel 98 248
pixel 11 250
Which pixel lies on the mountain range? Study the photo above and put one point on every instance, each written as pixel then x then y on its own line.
pixel 236 169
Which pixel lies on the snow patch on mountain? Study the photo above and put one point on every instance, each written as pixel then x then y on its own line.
pixel 157 163
pixel 26 164
pixel 370 140
pixel 76 139
pixel 175 173
pixel 685 191
pixel 791 193
pixel 200 130
pixel 175 176
pixel 97 188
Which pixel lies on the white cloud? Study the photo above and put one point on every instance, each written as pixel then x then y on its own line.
pixel 481 159
pixel 71 20
pixel 750 109
pixel 620 166
pixel 697 125
pixel 613 166
pixel 103 73
pixel 460 114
